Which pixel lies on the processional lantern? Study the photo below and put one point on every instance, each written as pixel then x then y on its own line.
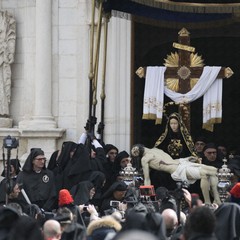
pixel 224 175
pixel 130 174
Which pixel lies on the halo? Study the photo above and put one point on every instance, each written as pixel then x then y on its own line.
pixel 169 105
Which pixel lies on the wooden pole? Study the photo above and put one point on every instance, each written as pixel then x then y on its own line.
pixel 103 94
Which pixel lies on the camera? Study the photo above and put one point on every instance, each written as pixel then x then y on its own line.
pixel 178 192
pixel 10 142
pixel 85 208
pixel 147 191
pixel 114 204
pixel 182 184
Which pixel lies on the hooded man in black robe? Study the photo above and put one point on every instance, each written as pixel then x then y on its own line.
pixel 70 165
pixel 37 181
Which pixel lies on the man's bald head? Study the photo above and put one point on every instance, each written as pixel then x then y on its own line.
pixel 170 219
pixel 52 229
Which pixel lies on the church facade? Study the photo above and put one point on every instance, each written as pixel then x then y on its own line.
pixel 50 85
pixel 49 101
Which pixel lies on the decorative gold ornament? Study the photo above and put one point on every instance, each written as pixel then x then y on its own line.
pixel 183 32
pixel 180 106
pixel 175 148
pixel 172 83
pixel 183 47
pixel 224 180
pixel 172 60
pixel 196 61
pixel 184 72
pixel 140 72
pixel 228 72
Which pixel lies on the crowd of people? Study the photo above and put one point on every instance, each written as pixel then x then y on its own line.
pixel 81 194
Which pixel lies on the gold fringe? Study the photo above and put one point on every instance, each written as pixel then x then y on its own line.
pixel 209 125
pixel 151 116
pixel 158 121
pixel 191 7
pixel 179 25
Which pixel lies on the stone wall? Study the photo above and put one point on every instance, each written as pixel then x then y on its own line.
pixel 45 115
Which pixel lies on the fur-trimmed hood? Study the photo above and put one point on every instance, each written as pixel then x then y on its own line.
pixel 104 222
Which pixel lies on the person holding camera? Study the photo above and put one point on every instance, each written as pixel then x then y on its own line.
pixel 81 214
pixel 83 192
pixel 114 197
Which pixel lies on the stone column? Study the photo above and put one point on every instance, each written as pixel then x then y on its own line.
pixel 41 131
pixel 43 83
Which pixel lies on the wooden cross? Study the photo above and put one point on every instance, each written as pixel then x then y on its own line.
pixel 181 67
pixel 184 71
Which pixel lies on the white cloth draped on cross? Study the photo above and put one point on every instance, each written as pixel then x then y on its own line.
pixel 206 86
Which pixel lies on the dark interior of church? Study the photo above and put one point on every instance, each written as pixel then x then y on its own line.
pixel 218 46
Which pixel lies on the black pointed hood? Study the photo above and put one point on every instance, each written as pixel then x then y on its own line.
pixel 28 166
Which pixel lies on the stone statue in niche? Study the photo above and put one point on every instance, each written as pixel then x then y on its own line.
pixel 7 52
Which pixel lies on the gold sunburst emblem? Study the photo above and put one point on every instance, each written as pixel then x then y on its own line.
pixel 172 60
